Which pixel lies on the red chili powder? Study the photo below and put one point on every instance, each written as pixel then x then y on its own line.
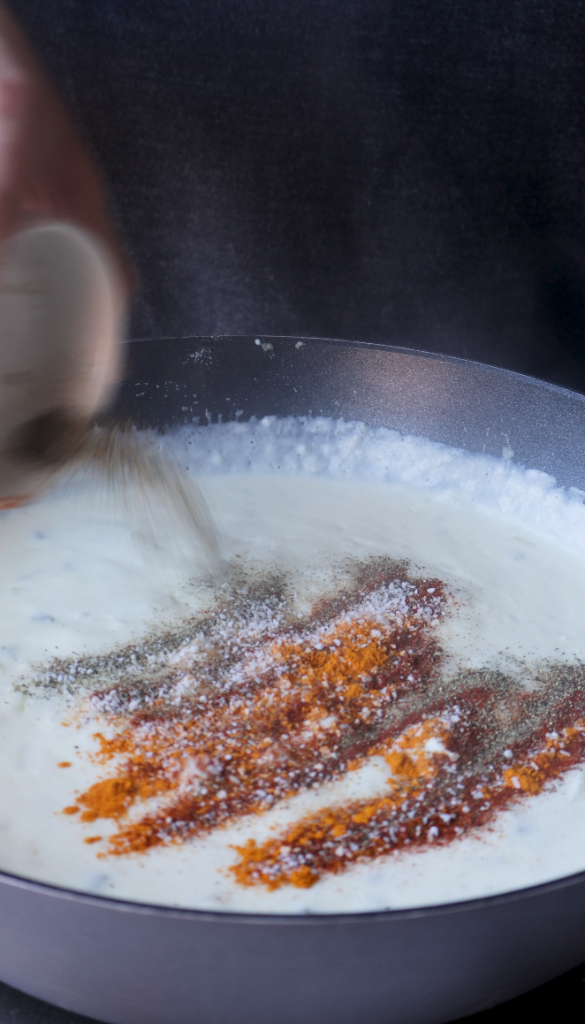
pixel 234 714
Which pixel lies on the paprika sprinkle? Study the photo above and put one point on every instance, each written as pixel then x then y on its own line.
pixel 249 707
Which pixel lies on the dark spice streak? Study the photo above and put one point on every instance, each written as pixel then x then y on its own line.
pixel 250 705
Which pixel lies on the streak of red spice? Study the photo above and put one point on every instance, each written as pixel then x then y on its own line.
pixel 252 755
pixel 364 830
pixel 263 745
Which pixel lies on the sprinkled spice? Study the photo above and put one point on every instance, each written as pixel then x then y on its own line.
pixel 250 706
pixel 298 703
pixel 417 812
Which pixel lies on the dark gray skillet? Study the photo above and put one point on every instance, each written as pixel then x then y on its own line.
pixel 130 964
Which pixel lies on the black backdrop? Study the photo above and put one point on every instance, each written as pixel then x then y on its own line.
pixel 408 171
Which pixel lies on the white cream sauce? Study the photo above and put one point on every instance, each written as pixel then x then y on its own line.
pixel 79 576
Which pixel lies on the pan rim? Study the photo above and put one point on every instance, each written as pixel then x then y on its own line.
pixel 310 919
pixel 379 346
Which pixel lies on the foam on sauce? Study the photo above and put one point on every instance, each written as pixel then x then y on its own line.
pixel 189 727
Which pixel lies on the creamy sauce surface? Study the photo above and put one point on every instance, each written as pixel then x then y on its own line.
pixel 80 577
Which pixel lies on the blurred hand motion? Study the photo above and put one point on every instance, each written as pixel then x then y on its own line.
pixel 45 171
pixel 64 282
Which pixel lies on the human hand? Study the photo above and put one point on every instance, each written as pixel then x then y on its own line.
pixel 45 171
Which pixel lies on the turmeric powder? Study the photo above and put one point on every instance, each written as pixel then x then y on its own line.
pixel 235 714
pixel 307 703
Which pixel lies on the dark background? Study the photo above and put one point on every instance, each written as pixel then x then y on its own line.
pixel 404 171
pixel 407 172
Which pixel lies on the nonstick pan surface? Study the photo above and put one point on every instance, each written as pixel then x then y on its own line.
pixel 129 964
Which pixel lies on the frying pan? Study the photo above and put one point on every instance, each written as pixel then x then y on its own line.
pixel 135 964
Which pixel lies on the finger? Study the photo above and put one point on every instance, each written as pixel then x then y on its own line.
pixel 64 183
pixel 14 118
pixel 44 168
